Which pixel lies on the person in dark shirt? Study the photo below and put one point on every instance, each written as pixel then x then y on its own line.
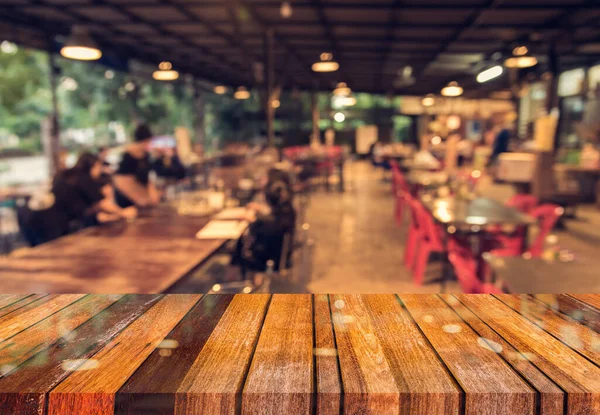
pixel 79 198
pixel 270 232
pixel 168 165
pixel 132 178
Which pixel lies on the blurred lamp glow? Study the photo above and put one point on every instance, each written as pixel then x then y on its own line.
pixel 428 101
pixel 452 90
pixel 489 74
pixel 325 64
pixel 276 103
pixel 347 101
pixel 80 46
pixel 342 90
pixel 286 10
pixel 339 117
pixel 520 59
pixel 241 93
pixel 165 72
pixel 220 89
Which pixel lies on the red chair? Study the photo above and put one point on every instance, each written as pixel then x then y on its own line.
pixel 464 268
pixel 431 241
pixel 399 187
pixel 523 203
pixel 547 215
pixel 415 230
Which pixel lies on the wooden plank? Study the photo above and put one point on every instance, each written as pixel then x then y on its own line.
pixel 8 299
pixel 551 397
pixel 369 385
pixel 329 388
pixel 30 341
pixel 33 312
pixel 24 390
pixel 490 385
pixel 280 378
pixel 27 299
pixel 215 380
pixel 576 375
pixel 590 299
pixel 574 308
pixel 93 391
pixel 153 386
pixel 425 385
pixel 576 336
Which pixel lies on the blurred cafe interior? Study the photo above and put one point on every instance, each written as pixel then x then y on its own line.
pixel 305 146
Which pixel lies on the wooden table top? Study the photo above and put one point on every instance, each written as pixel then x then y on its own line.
pixel 522 275
pixel 299 354
pixel 479 211
pixel 146 256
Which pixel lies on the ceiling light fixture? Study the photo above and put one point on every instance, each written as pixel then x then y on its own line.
pixel 428 101
pixel 452 90
pixel 339 117
pixel 80 46
pixel 489 74
pixel 286 10
pixel 241 93
pixel 220 89
pixel 326 63
pixel 342 90
pixel 165 72
pixel 521 58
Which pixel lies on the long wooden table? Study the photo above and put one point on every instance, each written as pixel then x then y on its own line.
pixel 147 256
pixel 299 354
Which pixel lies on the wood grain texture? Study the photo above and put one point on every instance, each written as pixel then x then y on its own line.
pixel 27 299
pixel 424 382
pixel 28 342
pixel 280 378
pixel 8 299
pixel 590 299
pixel 214 382
pixel 577 336
pixel 33 312
pixel 576 375
pixel 327 370
pixel 154 385
pixel 93 391
pixel 583 313
pixel 24 390
pixel 160 245
pixel 369 385
pixel 551 397
pixel 490 385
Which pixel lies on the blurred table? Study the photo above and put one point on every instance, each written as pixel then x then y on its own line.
pixel 411 164
pixel 423 178
pixel 147 255
pixel 297 354
pixel 521 275
pixel 479 211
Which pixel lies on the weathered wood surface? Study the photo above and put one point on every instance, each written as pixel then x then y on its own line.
pixel 301 354
pixel 159 245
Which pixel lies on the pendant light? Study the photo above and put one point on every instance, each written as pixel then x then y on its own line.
pixel 241 93
pixel 165 72
pixel 489 74
pixel 220 89
pixel 452 90
pixel 286 10
pixel 342 90
pixel 521 58
pixel 348 101
pixel 80 46
pixel 428 100
pixel 326 63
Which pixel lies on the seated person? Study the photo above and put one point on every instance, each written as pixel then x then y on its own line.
pixel 79 198
pixel 264 239
pixel 132 178
pixel 168 165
